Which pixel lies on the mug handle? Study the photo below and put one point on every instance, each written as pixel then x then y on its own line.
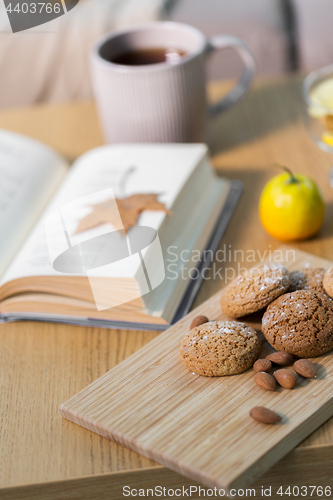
pixel 222 42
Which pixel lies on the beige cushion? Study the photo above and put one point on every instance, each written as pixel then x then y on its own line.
pixel 314 33
pixel 51 62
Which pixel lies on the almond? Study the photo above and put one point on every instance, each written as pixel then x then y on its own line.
pixel 286 378
pixel 265 415
pixel 281 358
pixel 262 365
pixel 305 368
pixel 198 320
pixel 265 381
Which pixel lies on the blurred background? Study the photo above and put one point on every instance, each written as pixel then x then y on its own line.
pixel 51 63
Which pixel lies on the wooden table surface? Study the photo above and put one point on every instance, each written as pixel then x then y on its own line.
pixel 42 365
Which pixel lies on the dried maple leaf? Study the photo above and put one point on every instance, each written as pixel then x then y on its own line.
pixel 121 213
pixel 101 213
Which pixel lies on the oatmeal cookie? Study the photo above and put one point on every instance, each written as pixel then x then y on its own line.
pixel 328 282
pixel 300 323
pixel 307 278
pixel 255 289
pixel 220 348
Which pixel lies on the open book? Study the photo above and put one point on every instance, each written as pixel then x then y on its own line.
pixel 66 253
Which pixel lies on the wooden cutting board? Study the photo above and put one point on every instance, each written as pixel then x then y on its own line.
pixel 200 426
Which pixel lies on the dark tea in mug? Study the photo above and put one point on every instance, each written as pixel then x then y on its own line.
pixel 142 57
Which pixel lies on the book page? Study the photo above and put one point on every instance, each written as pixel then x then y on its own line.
pixel 29 174
pixel 94 178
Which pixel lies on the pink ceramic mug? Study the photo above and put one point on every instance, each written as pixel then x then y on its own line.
pixel 162 102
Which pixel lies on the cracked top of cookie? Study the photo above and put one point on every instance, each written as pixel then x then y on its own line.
pixel 307 278
pixel 220 348
pixel 254 289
